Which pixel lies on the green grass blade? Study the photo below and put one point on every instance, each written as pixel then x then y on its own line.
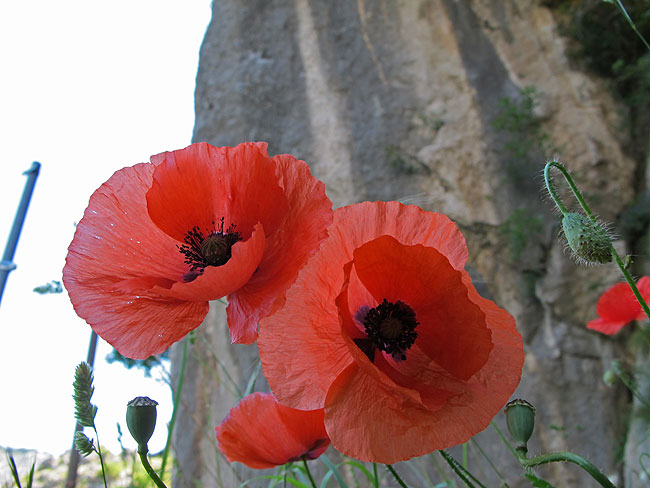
pixel 334 470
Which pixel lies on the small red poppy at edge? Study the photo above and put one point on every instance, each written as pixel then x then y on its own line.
pixel 618 306
pixel 159 240
pixel 261 433
pixel 385 331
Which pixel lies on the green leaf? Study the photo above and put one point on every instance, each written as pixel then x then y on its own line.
pixel 334 470
pixel 538 482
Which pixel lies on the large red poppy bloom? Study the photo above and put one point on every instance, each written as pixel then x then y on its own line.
pixel 385 331
pixel 261 433
pixel 618 307
pixel 159 240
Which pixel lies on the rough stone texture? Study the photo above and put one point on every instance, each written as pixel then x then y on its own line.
pixel 397 100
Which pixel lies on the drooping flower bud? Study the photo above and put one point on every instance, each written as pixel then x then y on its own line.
pixel 141 420
pixel 589 240
pixel 520 418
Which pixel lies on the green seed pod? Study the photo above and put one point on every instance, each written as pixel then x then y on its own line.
pixel 520 418
pixel 141 420
pixel 587 239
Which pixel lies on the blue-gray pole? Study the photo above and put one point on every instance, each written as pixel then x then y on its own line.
pixel 7 265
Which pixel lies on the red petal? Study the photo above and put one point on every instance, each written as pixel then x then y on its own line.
pixel 301 345
pixel 287 250
pixel 606 326
pixel 198 185
pixel 115 242
pixel 137 326
pixel 218 281
pixel 618 304
pixel 262 433
pixel 452 329
pixel 371 422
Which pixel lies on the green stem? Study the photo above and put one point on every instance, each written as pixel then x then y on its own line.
pixel 458 468
pixel 571 458
pixel 142 451
pixel 396 476
pixel 177 399
pixel 304 462
pixel 590 214
pixel 621 8
pixel 551 188
pixel 376 477
pixel 99 453
pixel 630 282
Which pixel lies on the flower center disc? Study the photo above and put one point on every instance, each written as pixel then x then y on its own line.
pixel 391 327
pixel 213 249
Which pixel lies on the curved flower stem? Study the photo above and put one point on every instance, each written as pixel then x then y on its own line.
pixel 396 476
pixel 142 451
pixel 551 189
pixel 304 462
pixel 571 458
pixel 590 214
pixel 460 470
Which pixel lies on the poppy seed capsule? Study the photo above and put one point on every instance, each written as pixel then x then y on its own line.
pixel 520 418
pixel 141 420
pixel 587 239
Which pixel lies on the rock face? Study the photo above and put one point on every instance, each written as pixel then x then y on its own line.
pixel 454 106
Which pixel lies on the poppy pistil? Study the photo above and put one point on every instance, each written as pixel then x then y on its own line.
pixel 213 249
pixel 391 327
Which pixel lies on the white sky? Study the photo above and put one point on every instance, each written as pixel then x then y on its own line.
pixel 86 88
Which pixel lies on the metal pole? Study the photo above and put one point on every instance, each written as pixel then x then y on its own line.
pixel 7 264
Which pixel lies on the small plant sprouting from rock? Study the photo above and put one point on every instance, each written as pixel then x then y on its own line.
pixel 521 227
pixel 525 136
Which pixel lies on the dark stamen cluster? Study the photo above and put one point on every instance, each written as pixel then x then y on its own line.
pixel 391 327
pixel 214 249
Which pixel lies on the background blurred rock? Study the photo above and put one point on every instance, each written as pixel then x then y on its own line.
pixel 454 106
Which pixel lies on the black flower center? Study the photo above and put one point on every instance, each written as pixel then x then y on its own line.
pixel 390 328
pixel 212 248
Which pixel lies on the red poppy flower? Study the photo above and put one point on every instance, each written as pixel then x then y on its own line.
pixel 385 331
pixel 618 307
pixel 159 240
pixel 261 433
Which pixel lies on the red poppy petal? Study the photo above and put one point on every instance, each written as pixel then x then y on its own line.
pixel 418 377
pixel 606 326
pixel 452 329
pixel 200 184
pixel 287 250
pixel 137 326
pixel 261 433
pixel 618 304
pixel 301 345
pixel 115 238
pixel 218 281
pixel 370 422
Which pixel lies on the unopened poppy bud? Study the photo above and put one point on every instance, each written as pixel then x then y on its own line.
pixel 520 418
pixel 587 239
pixel 141 420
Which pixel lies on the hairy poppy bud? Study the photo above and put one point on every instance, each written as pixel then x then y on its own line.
pixel 587 239
pixel 141 420
pixel 520 418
